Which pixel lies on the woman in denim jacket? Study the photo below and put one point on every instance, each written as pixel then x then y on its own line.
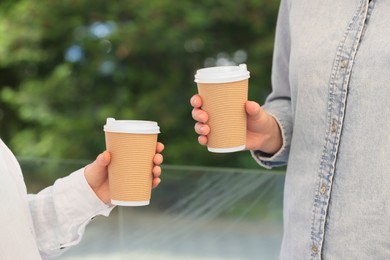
pixel 328 119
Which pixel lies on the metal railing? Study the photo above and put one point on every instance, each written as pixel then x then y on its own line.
pixel 195 213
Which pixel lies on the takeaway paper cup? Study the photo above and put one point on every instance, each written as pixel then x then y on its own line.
pixel 132 145
pixel 224 91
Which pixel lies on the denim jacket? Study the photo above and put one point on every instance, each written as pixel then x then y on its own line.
pixel 331 98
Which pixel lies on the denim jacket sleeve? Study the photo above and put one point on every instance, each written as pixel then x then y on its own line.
pixel 278 103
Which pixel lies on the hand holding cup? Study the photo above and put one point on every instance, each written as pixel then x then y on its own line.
pixel 263 132
pixel 96 173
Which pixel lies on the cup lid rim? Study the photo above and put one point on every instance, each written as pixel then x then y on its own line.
pixel 131 126
pixel 222 74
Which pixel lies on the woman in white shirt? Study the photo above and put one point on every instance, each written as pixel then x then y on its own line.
pixel 44 225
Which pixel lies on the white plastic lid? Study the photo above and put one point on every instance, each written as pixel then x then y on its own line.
pixel 131 126
pixel 222 74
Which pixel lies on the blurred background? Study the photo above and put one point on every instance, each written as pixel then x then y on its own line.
pixel 65 66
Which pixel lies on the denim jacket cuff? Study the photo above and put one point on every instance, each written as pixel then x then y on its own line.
pixel 281 156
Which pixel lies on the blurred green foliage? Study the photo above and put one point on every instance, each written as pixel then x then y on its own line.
pixel 65 66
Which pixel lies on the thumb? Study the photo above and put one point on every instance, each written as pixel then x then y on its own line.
pixel 102 161
pixel 253 110
pixel 96 171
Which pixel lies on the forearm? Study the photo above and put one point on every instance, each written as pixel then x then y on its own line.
pixel 61 212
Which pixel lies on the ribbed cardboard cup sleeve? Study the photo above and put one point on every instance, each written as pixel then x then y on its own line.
pixel 130 170
pixel 225 105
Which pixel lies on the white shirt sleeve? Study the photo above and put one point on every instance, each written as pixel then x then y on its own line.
pixel 61 212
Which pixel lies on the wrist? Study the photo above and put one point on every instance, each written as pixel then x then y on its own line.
pixel 270 140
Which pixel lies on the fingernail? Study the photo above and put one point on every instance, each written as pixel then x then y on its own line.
pixel 193 101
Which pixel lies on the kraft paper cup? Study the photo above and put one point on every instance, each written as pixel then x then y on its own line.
pixel 224 91
pixel 132 145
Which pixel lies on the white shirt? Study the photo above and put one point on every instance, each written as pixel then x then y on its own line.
pixel 44 225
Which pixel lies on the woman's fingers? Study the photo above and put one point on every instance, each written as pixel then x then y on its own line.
pixel 196 101
pixel 202 129
pixel 200 115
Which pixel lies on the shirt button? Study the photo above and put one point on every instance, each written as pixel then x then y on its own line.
pixel 314 249
pixel 333 127
pixel 323 189
pixel 343 63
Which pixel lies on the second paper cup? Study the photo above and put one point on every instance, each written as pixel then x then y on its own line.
pixel 132 145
